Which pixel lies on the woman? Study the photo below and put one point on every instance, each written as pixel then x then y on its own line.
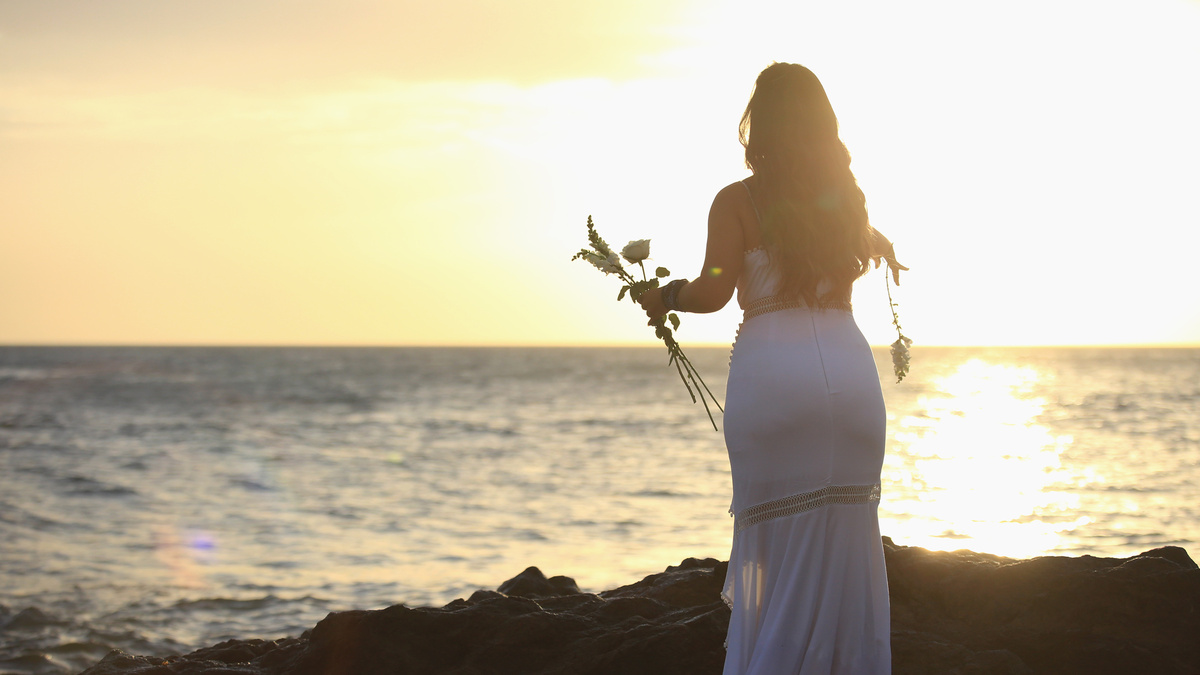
pixel 804 415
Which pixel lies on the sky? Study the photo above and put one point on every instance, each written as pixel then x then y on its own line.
pixel 419 173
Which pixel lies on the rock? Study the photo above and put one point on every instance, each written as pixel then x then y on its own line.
pixel 533 584
pixel 1055 614
pixel 690 584
pixel 953 613
pixel 915 652
pixel 232 657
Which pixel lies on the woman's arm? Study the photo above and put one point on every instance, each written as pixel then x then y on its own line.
pixel 723 259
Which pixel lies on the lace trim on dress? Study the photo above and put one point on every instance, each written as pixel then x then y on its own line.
pixel 807 501
pixel 774 303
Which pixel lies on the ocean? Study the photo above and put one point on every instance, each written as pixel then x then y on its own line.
pixel 163 499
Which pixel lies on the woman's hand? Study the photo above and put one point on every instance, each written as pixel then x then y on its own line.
pixel 885 250
pixel 651 301
pixel 893 265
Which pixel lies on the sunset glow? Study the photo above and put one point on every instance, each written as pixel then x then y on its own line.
pixel 397 173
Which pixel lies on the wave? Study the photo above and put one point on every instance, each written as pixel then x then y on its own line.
pixel 30 618
pixel 16 515
pixel 83 485
pixel 251 485
pixel 659 493
pixel 31 420
pixel 234 604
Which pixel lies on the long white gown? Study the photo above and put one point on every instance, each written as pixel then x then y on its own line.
pixel 805 429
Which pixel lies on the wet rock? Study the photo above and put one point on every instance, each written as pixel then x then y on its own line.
pixel 959 612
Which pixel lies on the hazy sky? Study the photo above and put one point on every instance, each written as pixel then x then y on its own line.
pixel 354 172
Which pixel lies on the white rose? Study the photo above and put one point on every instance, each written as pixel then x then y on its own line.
pixel 636 251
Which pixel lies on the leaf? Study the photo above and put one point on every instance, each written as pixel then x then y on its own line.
pixel 621 295
pixel 674 320
pixel 662 272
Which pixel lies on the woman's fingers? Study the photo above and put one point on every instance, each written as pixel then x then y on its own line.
pixel 895 267
pixel 651 302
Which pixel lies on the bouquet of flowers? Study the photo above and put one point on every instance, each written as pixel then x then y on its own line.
pixel 635 252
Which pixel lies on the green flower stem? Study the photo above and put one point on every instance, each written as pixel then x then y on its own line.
pixel 891 304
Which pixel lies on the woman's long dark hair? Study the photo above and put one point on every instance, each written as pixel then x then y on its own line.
pixel 814 215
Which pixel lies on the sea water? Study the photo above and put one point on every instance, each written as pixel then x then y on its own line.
pixel 162 499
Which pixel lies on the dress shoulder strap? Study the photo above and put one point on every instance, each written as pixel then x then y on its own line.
pixel 749 194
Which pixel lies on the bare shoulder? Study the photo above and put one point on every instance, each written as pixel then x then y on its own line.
pixel 733 202
pixel 731 195
pixel 733 208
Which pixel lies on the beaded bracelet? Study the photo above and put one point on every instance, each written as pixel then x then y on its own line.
pixel 670 295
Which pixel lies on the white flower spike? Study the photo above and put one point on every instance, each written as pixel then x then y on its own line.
pixel 603 264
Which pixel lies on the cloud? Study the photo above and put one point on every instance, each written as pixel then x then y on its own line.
pixel 271 43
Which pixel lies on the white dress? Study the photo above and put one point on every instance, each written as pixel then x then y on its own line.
pixel 805 429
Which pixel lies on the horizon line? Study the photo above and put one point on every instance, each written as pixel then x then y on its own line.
pixel 560 345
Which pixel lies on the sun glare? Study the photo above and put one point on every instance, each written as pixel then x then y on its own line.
pixel 975 470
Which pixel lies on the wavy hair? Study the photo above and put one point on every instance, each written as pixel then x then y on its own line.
pixel 814 215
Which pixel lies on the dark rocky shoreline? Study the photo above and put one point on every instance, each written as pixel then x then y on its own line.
pixel 959 612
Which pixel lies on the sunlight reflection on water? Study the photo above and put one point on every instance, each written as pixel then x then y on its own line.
pixel 974 469
pixel 202 494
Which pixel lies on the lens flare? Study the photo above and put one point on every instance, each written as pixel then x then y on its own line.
pixel 183 552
